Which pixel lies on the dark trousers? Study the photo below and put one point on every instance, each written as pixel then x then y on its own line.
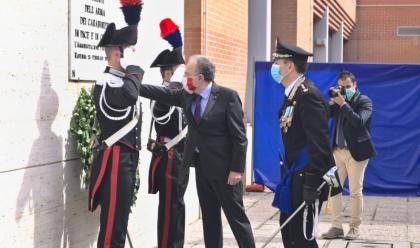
pixel 169 176
pixel 292 233
pixel 213 197
pixel 116 193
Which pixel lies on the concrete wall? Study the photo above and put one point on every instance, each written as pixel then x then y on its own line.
pixel 321 34
pixel 259 46
pixel 43 202
pixel 335 44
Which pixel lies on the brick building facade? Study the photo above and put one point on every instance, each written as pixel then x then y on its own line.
pixel 387 31
pixel 373 31
pixel 219 29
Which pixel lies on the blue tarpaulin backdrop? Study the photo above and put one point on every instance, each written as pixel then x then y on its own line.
pixel 395 92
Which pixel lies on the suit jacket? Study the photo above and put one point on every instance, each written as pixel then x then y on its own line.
pixel 356 126
pixel 309 128
pixel 220 135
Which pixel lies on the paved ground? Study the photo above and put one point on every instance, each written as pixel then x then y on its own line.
pixel 392 222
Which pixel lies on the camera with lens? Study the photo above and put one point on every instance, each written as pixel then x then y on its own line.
pixel 155 147
pixel 335 91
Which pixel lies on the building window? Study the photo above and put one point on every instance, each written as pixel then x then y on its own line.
pixel 408 31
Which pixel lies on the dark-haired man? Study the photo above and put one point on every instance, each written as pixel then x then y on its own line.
pixel 307 154
pixel 216 144
pixel 352 114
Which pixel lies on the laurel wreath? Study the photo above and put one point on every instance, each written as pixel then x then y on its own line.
pixel 82 127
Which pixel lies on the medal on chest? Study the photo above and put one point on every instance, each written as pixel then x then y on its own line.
pixel 287 114
pixel 287 117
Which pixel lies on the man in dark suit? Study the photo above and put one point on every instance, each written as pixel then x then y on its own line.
pixel 215 144
pixel 307 154
pixel 353 147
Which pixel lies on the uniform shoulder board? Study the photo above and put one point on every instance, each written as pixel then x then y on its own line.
pixel 111 80
pixel 103 78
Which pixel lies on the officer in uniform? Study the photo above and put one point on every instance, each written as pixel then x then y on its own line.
pixel 306 154
pixel 167 173
pixel 117 153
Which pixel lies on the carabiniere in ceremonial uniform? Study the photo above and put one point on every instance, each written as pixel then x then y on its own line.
pixel 118 113
pixel 305 154
pixel 168 174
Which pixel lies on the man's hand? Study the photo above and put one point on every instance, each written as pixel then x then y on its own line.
pixel 234 178
pixel 339 100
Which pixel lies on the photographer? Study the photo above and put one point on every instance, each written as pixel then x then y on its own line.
pixel 352 148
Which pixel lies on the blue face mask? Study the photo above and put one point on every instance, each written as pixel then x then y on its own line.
pixel 350 93
pixel 275 73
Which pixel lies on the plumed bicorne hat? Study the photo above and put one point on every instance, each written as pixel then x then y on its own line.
pixel 126 36
pixel 169 31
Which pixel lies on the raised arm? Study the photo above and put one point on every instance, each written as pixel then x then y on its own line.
pixel 360 118
pixel 162 94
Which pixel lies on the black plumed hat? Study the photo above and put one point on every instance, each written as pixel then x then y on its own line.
pixel 126 36
pixel 168 58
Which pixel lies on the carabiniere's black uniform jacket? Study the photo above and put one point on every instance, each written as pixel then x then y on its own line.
pixel 309 127
pixel 120 98
pixel 170 129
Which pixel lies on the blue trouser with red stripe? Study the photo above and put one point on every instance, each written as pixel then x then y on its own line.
pixel 169 176
pixel 112 187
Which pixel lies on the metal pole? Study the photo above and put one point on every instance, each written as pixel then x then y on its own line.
pixel 129 240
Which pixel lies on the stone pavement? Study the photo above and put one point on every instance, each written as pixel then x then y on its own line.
pixel 391 222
